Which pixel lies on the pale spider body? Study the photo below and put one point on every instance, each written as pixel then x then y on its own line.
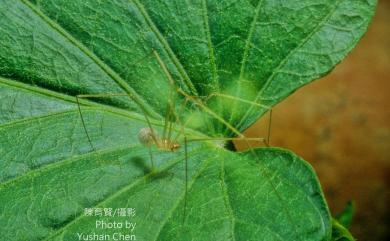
pixel 149 137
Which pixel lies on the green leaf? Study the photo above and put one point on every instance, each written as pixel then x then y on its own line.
pixel 345 216
pixel 340 233
pixel 256 51
pixel 231 195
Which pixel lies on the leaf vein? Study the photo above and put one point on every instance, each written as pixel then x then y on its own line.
pixel 110 72
pixel 246 53
pixel 180 199
pixel 166 47
pixel 210 45
pixel 286 58
pixel 110 197
pixel 227 199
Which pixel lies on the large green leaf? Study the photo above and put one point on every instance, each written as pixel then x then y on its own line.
pixel 231 195
pixel 259 51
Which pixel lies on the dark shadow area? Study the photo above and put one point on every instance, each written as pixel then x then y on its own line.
pixel 144 165
pixel 141 164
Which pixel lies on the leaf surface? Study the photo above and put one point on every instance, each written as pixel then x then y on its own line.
pixel 230 195
pixel 260 51
pixel 256 52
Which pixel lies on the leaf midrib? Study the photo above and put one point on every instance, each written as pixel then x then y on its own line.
pixel 52 165
pixel 210 45
pixel 227 199
pixel 71 100
pixel 299 188
pixel 166 46
pixel 110 72
pixel 182 197
pixel 245 55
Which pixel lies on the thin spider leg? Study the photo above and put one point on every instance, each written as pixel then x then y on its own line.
pixel 141 59
pixel 252 103
pixel 176 118
pixel 250 148
pixel 169 130
pixel 248 102
pixel 83 123
pixel 203 104
pixel 233 129
pixel 173 90
pixel 263 140
pixel 171 115
pixel 237 99
pixel 167 113
pixel 182 106
pixel 171 95
pixel 269 127
pixel 101 95
pixel 78 97
pixel 151 157
pixel 166 119
pixel 88 96
pixel 209 111
pixel 186 177
pixel 228 125
pixel 182 131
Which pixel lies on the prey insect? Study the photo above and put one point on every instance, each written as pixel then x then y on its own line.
pixel 174 135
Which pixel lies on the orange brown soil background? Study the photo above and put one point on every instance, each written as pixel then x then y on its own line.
pixel 341 125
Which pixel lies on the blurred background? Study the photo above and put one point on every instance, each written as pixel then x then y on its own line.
pixel 341 125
